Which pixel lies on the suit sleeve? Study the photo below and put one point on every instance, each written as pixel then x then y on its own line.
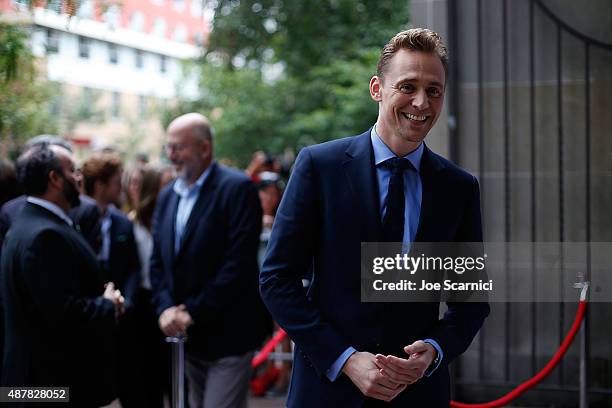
pixel 51 278
pixel 5 224
pixel 243 216
pixel 161 293
pixel 288 259
pixel 456 330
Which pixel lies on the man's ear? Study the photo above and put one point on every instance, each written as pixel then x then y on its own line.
pixel 55 179
pixel 375 88
pixel 206 148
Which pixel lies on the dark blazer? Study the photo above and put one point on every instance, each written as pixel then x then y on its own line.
pixel 86 215
pixel 123 263
pixel 88 218
pixel 58 327
pixel 215 272
pixel 329 207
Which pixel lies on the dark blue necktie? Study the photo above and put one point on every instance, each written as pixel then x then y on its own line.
pixel 393 221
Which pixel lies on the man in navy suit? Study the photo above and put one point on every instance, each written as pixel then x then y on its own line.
pixel 204 269
pixel 120 263
pixel 118 254
pixel 59 322
pixel 383 185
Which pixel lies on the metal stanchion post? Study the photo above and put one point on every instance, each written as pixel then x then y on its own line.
pixel 584 401
pixel 583 395
pixel 178 370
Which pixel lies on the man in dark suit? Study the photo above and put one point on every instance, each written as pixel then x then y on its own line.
pixel 383 185
pixel 85 216
pixel 118 254
pixel 119 261
pixel 204 266
pixel 59 324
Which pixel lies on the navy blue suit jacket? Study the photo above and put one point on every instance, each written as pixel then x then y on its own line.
pixel 59 327
pixel 215 271
pixel 123 262
pixel 330 206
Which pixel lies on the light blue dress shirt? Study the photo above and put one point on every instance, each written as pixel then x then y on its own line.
pixel 107 223
pixel 188 196
pixel 413 189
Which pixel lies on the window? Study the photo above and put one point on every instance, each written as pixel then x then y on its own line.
pixel 86 9
pixel 113 53
pixel 52 42
pixel 180 33
pixel 159 27
pixel 179 5
pixel 54 5
pixel 116 105
pixel 111 17
pixel 84 46
pixel 137 21
pixel 163 64
pixel 138 59
pixel 196 8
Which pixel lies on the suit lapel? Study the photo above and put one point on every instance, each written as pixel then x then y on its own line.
pixel 204 198
pixel 112 247
pixel 360 173
pixel 169 227
pixel 430 168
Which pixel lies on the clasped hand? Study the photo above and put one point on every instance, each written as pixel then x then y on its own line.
pixel 175 320
pixel 385 377
pixel 114 295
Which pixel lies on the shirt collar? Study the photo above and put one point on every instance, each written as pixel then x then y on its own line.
pixel 382 151
pixel 183 189
pixel 48 205
pixel 107 214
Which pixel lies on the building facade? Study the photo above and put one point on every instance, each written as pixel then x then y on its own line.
pixel 117 67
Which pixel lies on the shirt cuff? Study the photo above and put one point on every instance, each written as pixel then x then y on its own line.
pixel 436 363
pixel 334 371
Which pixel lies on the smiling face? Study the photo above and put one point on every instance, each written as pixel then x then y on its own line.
pixel 189 154
pixel 410 97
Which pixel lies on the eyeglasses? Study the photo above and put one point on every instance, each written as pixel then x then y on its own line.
pixel 173 147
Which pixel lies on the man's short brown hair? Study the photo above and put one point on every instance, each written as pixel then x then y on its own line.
pixel 99 167
pixel 415 39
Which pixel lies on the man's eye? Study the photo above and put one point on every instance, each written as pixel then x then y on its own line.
pixel 435 92
pixel 406 88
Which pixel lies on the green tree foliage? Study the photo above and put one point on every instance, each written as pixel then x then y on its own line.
pixel 23 98
pixel 327 51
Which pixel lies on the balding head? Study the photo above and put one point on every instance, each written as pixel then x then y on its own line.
pixel 189 145
pixel 195 123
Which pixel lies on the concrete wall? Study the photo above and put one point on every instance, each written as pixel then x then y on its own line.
pixel 494 142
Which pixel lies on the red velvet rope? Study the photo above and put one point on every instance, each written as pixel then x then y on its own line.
pixel 500 402
pixel 533 381
pixel 267 349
